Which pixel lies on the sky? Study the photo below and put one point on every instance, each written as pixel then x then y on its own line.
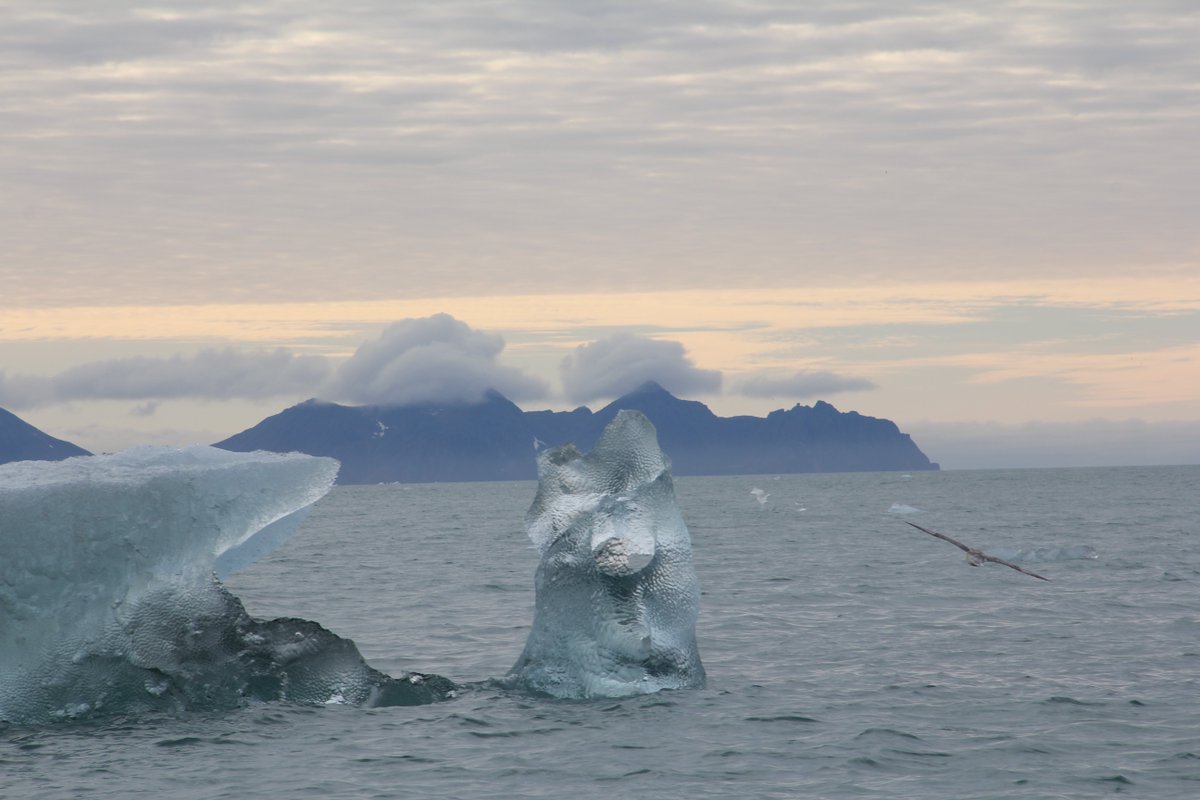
pixel 977 219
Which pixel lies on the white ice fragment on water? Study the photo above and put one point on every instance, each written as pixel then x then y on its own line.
pixel 616 594
pixel 760 495
pixel 1047 553
pixel 901 508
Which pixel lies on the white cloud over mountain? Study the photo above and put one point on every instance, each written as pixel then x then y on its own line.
pixel 436 358
pixel 613 365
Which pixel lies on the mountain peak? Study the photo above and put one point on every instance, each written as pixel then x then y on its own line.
pixel 20 441
pixel 649 387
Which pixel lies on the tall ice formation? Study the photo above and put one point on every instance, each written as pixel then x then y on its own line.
pixel 617 595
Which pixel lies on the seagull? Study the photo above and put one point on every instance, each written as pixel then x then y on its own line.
pixel 760 495
pixel 976 557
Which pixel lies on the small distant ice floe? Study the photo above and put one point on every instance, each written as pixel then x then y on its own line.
pixel 380 430
pixel 902 508
pixel 1048 554
pixel 760 495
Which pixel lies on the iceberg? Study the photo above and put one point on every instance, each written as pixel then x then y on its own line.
pixel 109 601
pixel 616 593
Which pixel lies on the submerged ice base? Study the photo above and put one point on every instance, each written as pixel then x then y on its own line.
pixel 109 604
pixel 617 595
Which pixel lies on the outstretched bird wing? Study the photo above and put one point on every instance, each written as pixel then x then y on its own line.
pixel 1011 565
pixel 943 537
pixel 978 553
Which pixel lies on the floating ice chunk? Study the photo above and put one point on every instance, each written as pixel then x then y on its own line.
pixel 97 530
pixel 1047 553
pixel 901 508
pixel 617 596
pixel 760 495
pixel 108 602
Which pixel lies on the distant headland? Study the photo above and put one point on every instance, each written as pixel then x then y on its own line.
pixel 495 440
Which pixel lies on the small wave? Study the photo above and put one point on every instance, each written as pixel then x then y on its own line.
pixel 782 718
pixel 510 734
pixel 1061 699
pixel 923 753
pixel 886 732
pixel 188 741
pixel 634 774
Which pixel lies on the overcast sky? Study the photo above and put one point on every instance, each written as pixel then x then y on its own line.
pixel 976 219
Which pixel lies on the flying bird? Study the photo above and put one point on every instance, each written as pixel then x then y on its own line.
pixel 975 557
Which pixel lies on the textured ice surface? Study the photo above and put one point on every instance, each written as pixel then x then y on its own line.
pixel 617 596
pixel 108 602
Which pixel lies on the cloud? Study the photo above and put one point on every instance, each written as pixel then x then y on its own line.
pixel 616 364
pixel 211 374
pixel 25 391
pixel 435 358
pixel 147 409
pixel 806 383
pixel 645 144
pixel 430 359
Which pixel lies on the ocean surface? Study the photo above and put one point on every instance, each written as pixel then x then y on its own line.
pixel 848 654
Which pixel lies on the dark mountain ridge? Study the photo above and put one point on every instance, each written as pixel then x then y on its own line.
pixel 20 441
pixel 496 440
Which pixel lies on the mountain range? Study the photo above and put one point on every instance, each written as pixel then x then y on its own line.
pixel 495 440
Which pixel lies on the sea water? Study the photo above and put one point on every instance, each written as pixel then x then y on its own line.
pixel 848 654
